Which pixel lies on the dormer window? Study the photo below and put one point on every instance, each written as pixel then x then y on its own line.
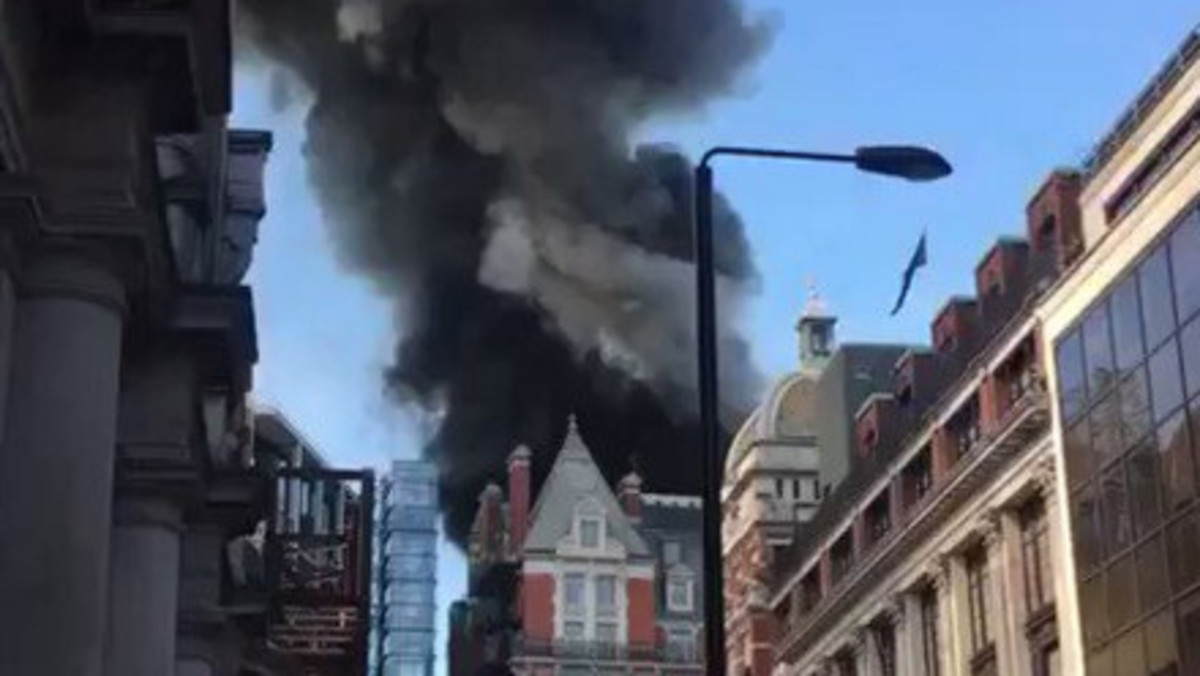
pixel 680 592
pixel 589 525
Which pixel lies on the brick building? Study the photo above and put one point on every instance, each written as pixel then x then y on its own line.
pixel 584 579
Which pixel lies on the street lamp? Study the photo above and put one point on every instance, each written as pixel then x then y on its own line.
pixel 908 162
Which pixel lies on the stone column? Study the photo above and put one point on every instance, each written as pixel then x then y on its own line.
pixel 1066 603
pixel 56 468
pixel 864 651
pixel 1019 662
pixel 910 643
pixel 144 586
pixel 953 617
pixel 1000 606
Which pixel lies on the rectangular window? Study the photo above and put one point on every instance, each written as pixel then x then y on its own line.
pixel 606 594
pixel 795 489
pixel 573 631
pixel 573 592
pixel 681 644
pixel 1071 387
pixel 606 632
pixel 978 597
pixel 930 641
pixel 589 533
pixel 878 517
pixel 670 552
pixel 841 556
pixel 679 594
pixel 1035 557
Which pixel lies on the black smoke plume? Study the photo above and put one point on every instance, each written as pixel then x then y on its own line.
pixel 474 158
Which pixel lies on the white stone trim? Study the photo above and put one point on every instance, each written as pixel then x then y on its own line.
pixel 667 500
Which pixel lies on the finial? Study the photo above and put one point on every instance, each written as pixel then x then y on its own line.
pixel 815 305
pixel 572 424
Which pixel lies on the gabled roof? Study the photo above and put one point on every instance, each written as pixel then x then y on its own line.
pixel 575 478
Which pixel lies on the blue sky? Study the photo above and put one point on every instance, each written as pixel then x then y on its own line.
pixel 1007 91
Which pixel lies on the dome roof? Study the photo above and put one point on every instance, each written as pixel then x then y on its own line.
pixel 785 413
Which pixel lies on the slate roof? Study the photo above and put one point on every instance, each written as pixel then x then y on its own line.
pixel 573 478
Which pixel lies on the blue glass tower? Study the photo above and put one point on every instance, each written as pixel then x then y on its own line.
pixel 403 635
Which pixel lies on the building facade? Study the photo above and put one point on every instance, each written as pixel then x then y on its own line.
pixel 586 579
pixel 1034 512
pixel 137 494
pixel 785 457
pixel 403 639
pixel 1126 343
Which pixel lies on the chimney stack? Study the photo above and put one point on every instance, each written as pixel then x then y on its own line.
pixel 630 494
pixel 518 499
pixel 491 535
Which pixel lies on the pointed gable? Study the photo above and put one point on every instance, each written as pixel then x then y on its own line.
pixel 575 483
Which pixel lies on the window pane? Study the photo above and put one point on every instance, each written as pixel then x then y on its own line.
pixel 1162 655
pixel 1152 574
pixel 1166 387
pixel 1122 593
pixel 1142 468
pixel 1175 460
pixel 1072 392
pixel 1158 313
pixel 1105 426
pixel 1088 539
pixel 1189 344
pixel 589 533
pixel 1077 444
pixel 1099 663
pixel 1097 347
pixel 1185 264
pixel 1130 658
pixel 1135 407
pixel 1093 610
pixel 1118 527
pixel 1127 325
pixel 1183 556
pixel 1189 634
pixel 606 592
pixel 573 588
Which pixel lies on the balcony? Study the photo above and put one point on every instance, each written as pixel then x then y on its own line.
pixel 317 564
pixel 601 651
pixel 1026 420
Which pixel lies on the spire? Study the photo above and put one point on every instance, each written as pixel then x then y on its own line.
pixel 573 445
pixel 814 306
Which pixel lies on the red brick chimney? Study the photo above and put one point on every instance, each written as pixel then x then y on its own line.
pixel 518 499
pixel 629 492
pixel 491 525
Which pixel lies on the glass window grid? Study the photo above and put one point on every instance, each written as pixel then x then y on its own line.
pixel 1101 648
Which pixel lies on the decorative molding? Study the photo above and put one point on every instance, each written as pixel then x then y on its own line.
pixel 989 528
pixel 1045 477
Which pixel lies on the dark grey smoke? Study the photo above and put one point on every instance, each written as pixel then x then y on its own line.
pixel 474 160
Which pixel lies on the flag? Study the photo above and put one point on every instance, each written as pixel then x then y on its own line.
pixel 918 260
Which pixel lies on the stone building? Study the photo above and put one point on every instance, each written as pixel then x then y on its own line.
pixel 1123 330
pixel 134 492
pixel 1037 513
pixel 785 457
pixel 585 579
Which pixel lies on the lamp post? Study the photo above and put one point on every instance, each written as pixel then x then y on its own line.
pixel 908 162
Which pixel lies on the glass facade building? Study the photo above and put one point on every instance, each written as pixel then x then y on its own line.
pixel 405 572
pixel 1129 390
